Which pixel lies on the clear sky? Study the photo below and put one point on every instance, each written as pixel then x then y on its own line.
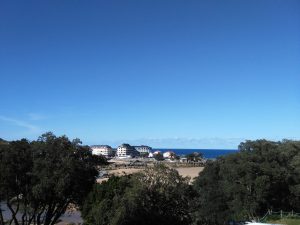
pixel 199 74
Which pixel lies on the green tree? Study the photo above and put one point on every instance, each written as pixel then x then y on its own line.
pixel 263 175
pixel 158 157
pixel 40 179
pixel 15 166
pixel 144 154
pixel 194 157
pixel 157 196
pixel 210 207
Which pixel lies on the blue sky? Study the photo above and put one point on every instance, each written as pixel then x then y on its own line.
pixel 198 74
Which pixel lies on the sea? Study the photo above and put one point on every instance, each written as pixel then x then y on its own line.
pixel 207 153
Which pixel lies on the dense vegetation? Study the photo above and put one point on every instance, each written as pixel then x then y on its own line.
pixel 157 196
pixel 40 179
pixel 262 176
pixel 194 157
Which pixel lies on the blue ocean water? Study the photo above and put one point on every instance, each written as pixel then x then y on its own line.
pixel 207 153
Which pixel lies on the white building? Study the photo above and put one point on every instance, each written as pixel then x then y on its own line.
pixel 126 151
pixel 104 150
pixel 143 149
pixel 152 154
pixel 169 155
pixel 156 152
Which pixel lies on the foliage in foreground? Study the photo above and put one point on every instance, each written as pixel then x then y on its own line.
pixel 157 196
pixel 40 179
pixel 263 176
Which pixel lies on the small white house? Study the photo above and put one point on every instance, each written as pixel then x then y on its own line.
pixel 156 153
pixel 169 155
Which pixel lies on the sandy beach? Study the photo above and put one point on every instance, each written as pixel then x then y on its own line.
pixel 192 172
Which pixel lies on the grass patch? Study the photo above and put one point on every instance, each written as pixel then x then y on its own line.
pixel 286 221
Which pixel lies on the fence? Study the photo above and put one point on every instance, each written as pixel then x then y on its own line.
pixel 271 215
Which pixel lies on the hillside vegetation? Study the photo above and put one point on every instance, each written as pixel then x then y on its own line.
pixel 40 179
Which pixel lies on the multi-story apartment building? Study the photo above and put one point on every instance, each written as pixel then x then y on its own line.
pixel 143 149
pixel 104 150
pixel 126 151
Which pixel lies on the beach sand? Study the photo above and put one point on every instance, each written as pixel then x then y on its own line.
pixel 192 172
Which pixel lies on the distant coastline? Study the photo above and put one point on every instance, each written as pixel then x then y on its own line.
pixel 207 153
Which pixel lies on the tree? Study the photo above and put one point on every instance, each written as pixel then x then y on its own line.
pixel 194 157
pixel 2 141
pixel 263 175
pixel 144 154
pixel 158 157
pixel 99 207
pixel 40 179
pixel 15 166
pixel 209 207
pixel 166 196
pixel 157 196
